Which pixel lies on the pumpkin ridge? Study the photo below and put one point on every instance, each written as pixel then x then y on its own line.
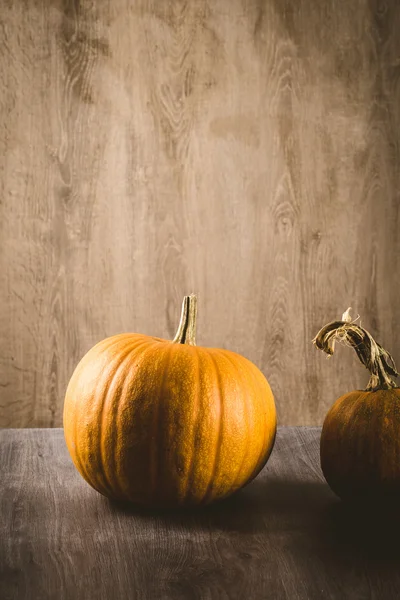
pixel 127 382
pixel 118 371
pixel 100 480
pixel 246 414
pixel 262 458
pixel 112 342
pixel 219 433
pixel 154 451
pixel 195 425
pixel 105 393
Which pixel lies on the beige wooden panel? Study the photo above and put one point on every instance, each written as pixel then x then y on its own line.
pixel 247 151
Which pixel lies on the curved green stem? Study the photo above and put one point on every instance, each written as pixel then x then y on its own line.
pixel 375 358
pixel 186 333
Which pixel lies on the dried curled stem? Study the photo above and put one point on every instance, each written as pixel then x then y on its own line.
pixel 375 358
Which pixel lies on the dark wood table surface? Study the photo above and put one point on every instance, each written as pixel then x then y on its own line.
pixel 284 536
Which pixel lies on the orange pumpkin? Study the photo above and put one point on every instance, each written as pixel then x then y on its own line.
pixel 164 423
pixel 360 439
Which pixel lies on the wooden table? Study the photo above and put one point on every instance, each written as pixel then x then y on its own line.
pixel 284 536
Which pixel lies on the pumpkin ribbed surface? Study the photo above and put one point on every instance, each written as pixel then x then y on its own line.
pixel 360 445
pixel 159 423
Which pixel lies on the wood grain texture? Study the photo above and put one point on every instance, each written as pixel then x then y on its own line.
pixel 247 151
pixel 285 536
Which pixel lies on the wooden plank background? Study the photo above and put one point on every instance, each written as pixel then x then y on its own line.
pixel 245 150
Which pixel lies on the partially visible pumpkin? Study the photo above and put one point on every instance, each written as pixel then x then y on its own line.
pixel 164 423
pixel 360 439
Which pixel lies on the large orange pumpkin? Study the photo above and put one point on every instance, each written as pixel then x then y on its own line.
pixel 168 423
pixel 360 439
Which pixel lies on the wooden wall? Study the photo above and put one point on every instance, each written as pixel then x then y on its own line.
pixel 245 150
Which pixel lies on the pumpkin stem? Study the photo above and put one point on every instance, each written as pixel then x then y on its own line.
pixel 186 333
pixel 375 358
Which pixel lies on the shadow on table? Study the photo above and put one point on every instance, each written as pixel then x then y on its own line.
pixel 364 533
pixel 267 503
pixel 319 521
pixel 249 510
